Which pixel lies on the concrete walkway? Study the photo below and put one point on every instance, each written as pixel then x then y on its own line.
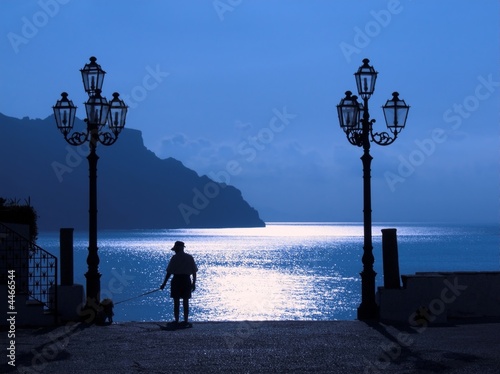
pixel 257 347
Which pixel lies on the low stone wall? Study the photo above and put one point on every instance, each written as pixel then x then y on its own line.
pixel 27 312
pixel 435 297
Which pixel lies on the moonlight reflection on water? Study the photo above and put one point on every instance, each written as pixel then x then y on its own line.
pixel 285 271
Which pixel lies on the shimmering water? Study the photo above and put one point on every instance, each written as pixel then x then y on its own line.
pixel 285 271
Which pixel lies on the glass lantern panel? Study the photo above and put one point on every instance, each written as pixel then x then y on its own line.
pixel 97 110
pixel 64 113
pixel 348 115
pixel 366 76
pixel 395 113
pixel 117 118
pixel 92 76
pixel 117 113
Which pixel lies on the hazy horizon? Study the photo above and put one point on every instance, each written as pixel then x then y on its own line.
pixel 246 93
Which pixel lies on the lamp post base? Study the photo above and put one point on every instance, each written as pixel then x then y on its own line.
pixel 368 308
pixel 367 312
pixel 93 295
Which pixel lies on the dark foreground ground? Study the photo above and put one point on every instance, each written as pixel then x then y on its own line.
pixel 257 347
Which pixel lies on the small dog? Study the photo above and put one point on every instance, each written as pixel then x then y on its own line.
pixel 105 312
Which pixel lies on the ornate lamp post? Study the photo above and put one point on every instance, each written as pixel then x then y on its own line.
pixel 101 116
pixel 355 120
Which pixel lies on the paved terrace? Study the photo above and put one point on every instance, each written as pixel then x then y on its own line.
pixel 257 347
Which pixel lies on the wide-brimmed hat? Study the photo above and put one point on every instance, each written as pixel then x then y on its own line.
pixel 178 244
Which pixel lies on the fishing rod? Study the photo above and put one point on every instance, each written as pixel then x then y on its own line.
pixel 135 297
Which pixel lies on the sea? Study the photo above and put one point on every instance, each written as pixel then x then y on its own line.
pixel 284 271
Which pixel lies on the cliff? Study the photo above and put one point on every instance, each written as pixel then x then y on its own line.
pixel 135 189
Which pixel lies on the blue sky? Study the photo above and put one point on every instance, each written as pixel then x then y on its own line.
pixel 246 91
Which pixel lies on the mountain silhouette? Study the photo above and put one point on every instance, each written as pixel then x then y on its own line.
pixel 135 188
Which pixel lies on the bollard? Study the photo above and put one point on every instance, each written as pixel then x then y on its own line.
pixel 390 258
pixel 66 253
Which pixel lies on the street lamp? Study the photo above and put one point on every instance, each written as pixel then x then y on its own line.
pixel 355 120
pixel 101 116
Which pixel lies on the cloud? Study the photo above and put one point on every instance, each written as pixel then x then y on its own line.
pixel 196 153
pixel 254 158
pixel 289 179
pixel 282 178
pixel 242 126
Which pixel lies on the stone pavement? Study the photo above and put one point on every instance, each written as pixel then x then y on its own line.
pixel 257 347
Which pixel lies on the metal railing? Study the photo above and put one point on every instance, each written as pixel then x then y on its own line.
pixel 35 269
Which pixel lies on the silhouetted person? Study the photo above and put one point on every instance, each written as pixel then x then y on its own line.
pixel 182 266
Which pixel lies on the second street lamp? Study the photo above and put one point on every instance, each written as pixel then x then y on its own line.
pixel 355 120
pixel 101 115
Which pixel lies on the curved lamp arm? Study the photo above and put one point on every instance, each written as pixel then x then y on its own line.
pixel 113 114
pixel 395 113
pixel 77 138
pixel 355 137
pixel 382 138
pixel 107 138
pixel 116 120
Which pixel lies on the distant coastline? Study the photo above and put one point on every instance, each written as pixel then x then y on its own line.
pixel 135 188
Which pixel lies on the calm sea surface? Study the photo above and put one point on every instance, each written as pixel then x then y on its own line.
pixel 285 271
